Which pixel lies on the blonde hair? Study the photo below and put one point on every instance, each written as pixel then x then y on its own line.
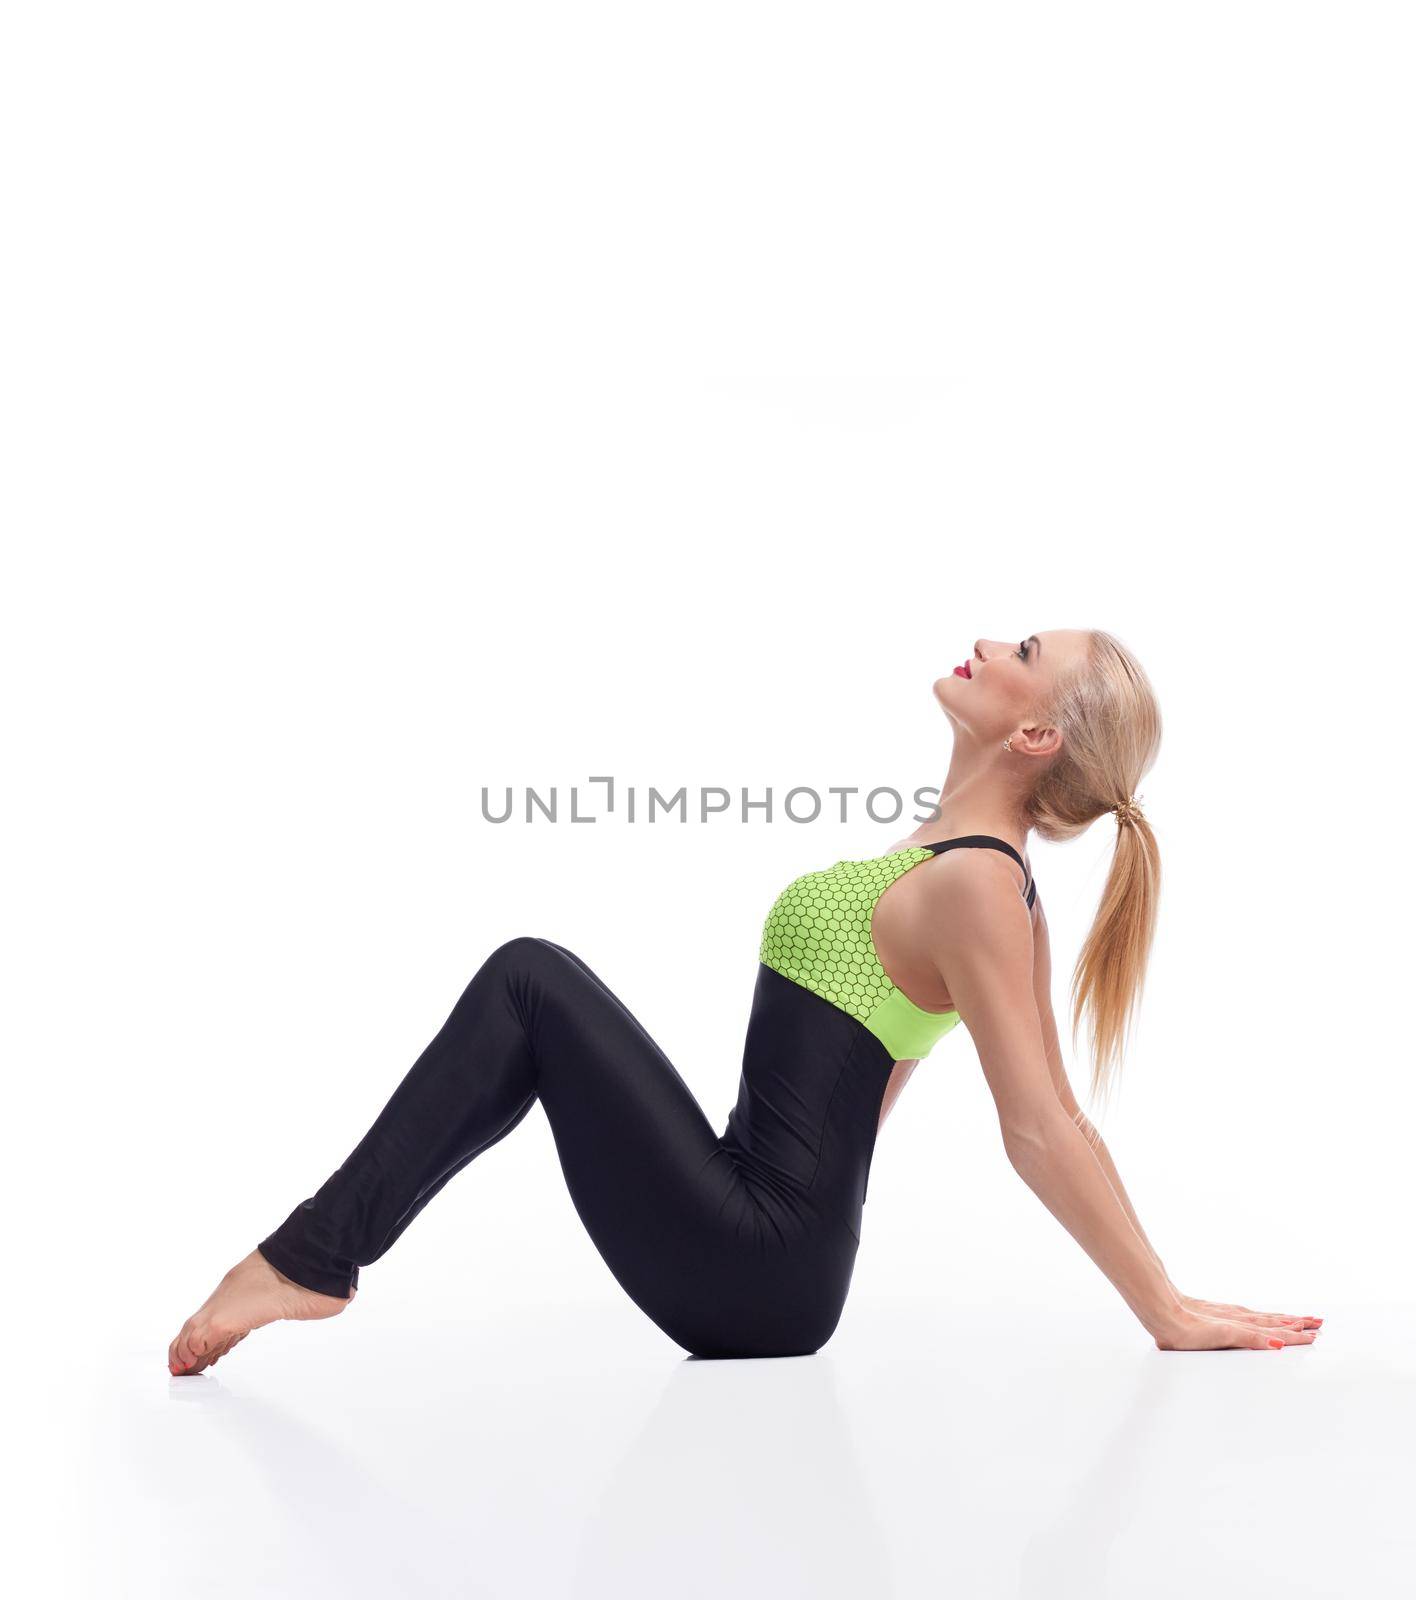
pixel 1110 723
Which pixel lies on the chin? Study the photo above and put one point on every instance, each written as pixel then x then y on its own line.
pixel 944 690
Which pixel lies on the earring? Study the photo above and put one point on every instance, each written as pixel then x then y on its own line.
pixel 1008 744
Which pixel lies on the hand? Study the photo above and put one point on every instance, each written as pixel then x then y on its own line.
pixel 1232 1313
pixel 1228 1328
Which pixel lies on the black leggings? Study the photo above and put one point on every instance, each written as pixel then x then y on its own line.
pixel 739 1244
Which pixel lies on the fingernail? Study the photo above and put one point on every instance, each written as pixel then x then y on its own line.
pixel 1276 1344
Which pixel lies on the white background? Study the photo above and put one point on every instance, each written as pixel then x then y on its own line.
pixel 401 400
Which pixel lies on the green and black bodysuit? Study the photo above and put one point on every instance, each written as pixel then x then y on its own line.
pixel 740 1243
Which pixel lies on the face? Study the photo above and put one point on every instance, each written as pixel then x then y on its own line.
pixel 993 693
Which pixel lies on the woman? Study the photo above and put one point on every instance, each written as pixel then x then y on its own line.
pixel 743 1244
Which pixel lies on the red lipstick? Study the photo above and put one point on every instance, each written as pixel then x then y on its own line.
pixel 964 671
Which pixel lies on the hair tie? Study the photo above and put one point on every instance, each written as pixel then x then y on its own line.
pixel 1127 811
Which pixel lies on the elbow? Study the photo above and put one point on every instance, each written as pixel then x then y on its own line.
pixel 1033 1139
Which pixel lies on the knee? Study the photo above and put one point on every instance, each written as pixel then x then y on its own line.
pixel 523 954
pixel 530 957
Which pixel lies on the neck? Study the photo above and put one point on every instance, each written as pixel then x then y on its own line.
pixel 977 796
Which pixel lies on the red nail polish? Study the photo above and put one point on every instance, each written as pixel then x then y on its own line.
pixel 1276 1344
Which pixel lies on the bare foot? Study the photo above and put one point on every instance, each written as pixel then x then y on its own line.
pixel 252 1294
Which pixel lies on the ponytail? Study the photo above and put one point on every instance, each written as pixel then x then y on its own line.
pixel 1110 973
pixel 1110 725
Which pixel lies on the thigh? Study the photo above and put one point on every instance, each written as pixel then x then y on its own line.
pixel 660 1196
pixel 726 1262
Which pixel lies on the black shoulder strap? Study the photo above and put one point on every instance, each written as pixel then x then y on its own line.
pixel 988 841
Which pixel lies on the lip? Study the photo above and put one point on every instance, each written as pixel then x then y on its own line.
pixel 964 671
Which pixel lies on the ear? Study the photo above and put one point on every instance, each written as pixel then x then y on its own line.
pixel 1037 740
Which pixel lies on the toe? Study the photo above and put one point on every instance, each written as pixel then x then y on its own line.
pixel 190 1346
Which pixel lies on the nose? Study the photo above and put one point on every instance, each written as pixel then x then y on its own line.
pixel 985 648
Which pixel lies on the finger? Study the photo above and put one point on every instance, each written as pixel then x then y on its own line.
pixel 1292 1317
pixel 1237 1334
pixel 1293 1335
pixel 1249 1337
pixel 1266 1318
pixel 1259 1319
pixel 1226 1310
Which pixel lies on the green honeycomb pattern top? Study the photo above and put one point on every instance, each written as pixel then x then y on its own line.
pixel 818 935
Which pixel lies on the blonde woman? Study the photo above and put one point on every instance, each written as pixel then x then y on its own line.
pixel 743 1243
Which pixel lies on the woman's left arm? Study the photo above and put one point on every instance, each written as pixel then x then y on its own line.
pixel 1042 991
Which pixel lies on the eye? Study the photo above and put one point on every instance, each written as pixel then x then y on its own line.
pixel 1022 651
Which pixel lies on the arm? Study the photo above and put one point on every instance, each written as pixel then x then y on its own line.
pixel 983 949
pixel 1042 996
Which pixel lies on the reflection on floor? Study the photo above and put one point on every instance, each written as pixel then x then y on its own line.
pixel 913 1456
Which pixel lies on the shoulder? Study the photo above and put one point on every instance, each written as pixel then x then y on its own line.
pixel 976 907
pixel 973 878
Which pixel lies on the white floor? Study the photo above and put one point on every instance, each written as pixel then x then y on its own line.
pixel 579 1453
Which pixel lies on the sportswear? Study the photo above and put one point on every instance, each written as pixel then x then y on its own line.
pixel 735 1244
pixel 818 934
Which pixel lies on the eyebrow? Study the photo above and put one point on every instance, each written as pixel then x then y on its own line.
pixel 1033 639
